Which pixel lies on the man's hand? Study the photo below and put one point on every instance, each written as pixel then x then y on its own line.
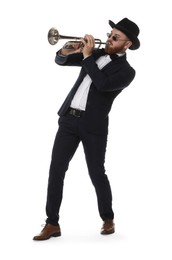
pixel 86 46
pixel 71 47
pixel 89 45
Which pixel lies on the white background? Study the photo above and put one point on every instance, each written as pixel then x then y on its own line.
pixel 33 87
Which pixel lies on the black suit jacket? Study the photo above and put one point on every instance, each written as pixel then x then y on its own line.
pixel 106 84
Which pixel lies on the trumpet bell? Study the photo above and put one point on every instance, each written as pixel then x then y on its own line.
pixel 53 36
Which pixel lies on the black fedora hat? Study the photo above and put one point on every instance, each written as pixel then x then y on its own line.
pixel 130 29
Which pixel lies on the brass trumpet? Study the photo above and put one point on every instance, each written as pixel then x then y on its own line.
pixel 54 37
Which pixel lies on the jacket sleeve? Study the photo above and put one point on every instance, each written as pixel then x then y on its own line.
pixel 69 60
pixel 117 76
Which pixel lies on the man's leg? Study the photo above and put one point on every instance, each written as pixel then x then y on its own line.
pixel 65 145
pixel 95 149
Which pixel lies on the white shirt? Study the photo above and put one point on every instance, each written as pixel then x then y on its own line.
pixel 79 100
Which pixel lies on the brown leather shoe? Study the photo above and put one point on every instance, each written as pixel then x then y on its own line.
pixel 108 227
pixel 47 232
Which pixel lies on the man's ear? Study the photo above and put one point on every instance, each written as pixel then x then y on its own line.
pixel 128 44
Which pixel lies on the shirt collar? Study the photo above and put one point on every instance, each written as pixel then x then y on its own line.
pixel 121 54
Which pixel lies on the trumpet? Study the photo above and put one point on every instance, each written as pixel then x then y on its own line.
pixel 54 37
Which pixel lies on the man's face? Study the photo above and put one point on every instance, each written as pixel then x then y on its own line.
pixel 118 42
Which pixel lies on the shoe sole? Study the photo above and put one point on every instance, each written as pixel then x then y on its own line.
pixel 108 232
pixel 58 234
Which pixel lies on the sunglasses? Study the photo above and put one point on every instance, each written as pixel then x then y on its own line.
pixel 115 38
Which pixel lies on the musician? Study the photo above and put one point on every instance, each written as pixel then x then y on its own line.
pixel 83 117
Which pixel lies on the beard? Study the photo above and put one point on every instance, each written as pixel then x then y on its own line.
pixel 110 49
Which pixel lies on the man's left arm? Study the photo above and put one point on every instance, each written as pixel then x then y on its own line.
pixel 117 76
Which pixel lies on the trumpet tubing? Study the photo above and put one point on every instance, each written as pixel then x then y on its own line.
pixel 54 37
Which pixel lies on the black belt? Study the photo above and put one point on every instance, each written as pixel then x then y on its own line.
pixel 75 112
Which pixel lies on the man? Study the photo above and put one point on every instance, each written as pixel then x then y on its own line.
pixel 84 117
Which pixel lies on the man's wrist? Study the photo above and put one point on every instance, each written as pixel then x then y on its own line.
pixel 86 56
pixel 61 54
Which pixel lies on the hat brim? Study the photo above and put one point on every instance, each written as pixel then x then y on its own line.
pixel 135 41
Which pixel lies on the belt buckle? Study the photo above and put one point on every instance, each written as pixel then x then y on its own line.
pixel 75 112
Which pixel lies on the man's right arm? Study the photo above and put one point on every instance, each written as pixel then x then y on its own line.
pixel 72 59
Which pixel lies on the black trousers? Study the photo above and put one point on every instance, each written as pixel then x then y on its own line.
pixel 71 131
